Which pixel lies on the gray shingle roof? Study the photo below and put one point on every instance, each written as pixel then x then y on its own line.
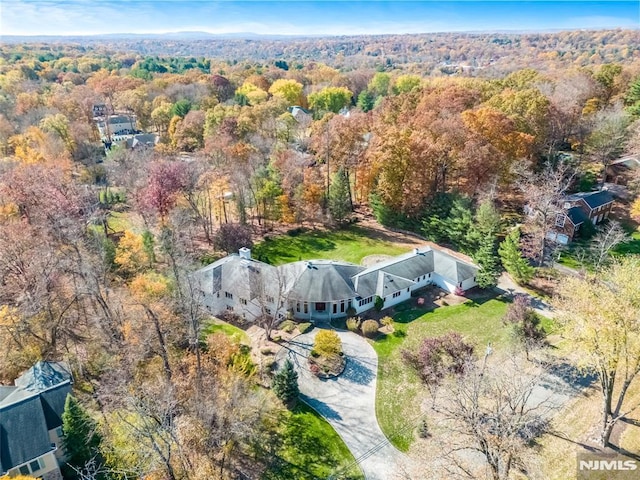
pixel 577 215
pixel 23 432
pixel 594 199
pixel 321 280
pixel 29 410
pixel 452 268
pixel 43 375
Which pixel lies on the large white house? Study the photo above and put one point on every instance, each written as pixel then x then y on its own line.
pixel 325 289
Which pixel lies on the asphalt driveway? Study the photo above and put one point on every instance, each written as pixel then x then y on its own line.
pixel 347 402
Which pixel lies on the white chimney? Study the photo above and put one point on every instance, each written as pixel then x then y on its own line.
pixel 245 253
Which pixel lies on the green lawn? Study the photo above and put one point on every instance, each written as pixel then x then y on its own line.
pixel 236 334
pixel 399 389
pixel 312 449
pixel 629 248
pixel 350 245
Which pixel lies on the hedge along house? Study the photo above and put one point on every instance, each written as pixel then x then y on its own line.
pixel 325 289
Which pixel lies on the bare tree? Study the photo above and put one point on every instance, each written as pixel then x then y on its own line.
pixel 608 136
pixel 605 240
pixel 492 413
pixel 544 191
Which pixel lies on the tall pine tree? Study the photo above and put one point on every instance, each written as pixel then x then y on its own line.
pixel 285 384
pixel 339 196
pixel 81 438
pixel 512 259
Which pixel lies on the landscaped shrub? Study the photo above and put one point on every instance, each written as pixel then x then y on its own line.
pixel 379 303
pixel 305 327
pixel 327 343
pixel 287 326
pixel 387 321
pixel 353 324
pixel 423 429
pixel 351 312
pixel 266 351
pixel 370 328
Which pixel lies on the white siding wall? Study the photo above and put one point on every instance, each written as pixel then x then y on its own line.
pixel 468 283
pixel 443 283
pixel 389 301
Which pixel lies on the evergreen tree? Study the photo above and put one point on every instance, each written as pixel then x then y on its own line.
pixel 81 438
pixel 486 258
pixel 339 198
pixel 285 384
pixel 366 101
pixel 512 259
pixel 149 243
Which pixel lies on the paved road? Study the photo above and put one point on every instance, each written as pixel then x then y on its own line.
pixel 348 402
pixel 507 285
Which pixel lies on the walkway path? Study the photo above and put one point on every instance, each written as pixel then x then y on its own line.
pixel 508 286
pixel 348 402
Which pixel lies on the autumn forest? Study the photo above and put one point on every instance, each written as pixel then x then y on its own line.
pixel 451 137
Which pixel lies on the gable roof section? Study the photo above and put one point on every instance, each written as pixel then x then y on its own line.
pixel 594 199
pixel 53 401
pixel 452 268
pixel 23 432
pixel 44 375
pixel 577 215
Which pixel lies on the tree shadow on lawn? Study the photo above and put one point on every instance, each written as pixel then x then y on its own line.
pixel 310 454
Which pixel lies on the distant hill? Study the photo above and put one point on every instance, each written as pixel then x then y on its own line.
pixel 488 54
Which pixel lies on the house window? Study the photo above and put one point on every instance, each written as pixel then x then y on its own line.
pixel 228 295
pixel 243 301
pixel 342 306
pixel 320 307
pixel 270 299
pixel 268 311
pixel 396 294
pixel 36 465
pixel 59 432
pixel 335 308
pixel 407 290
pixel 298 307
pixel 217 294
pixel 24 470
pixel 306 307
pixel 229 308
pixel 560 220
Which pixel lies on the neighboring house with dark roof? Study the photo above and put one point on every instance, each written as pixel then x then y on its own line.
pixel 31 421
pixel 324 289
pixel 576 209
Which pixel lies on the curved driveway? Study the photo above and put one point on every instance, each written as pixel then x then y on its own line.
pixel 348 402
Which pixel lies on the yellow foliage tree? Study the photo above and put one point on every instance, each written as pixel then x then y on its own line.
pixel 288 89
pixel 131 257
pixel 600 315
pixel 635 209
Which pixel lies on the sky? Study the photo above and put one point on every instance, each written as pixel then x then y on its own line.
pixel 300 17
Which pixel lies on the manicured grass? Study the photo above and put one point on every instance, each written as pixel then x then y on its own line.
pixel 236 334
pixel 312 449
pixel 400 391
pixel 351 244
pixel 629 248
pixel 121 221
